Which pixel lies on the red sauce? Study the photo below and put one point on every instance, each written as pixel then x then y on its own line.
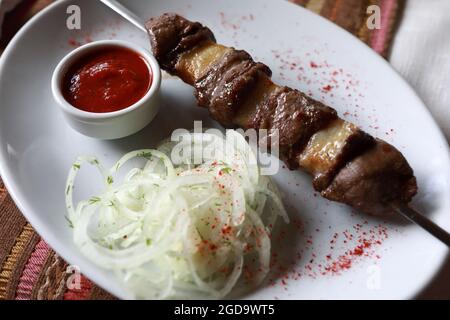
pixel 107 80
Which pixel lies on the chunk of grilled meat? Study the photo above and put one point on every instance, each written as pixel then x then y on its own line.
pixel 373 179
pixel 348 165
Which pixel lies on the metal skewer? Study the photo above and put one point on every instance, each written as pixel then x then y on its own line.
pixel 425 223
pixel 124 12
pixel 406 211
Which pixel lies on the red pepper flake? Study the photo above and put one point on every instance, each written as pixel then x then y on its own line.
pixel 327 88
pixel 313 65
pixel 248 247
pixel 225 270
pixel 227 230
pixel 358 251
pixel 74 43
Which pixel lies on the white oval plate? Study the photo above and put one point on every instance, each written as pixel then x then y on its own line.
pixel 37 147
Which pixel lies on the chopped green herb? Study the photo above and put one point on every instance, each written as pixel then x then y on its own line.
pixel 146 154
pixel 94 200
pixel 69 221
pixel 149 242
pixel 76 166
pixel 197 188
pixel 226 170
pixel 68 189
pixel 110 180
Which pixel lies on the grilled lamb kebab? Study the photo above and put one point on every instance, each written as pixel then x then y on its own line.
pixel 347 164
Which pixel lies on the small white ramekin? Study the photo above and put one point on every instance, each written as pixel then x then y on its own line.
pixel 111 125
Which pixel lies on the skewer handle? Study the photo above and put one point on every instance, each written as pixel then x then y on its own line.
pixel 124 12
pixel 425 223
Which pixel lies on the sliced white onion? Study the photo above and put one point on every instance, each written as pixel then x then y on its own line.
pixel 180 230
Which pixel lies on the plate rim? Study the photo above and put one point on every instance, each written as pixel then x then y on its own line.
pixel 33 219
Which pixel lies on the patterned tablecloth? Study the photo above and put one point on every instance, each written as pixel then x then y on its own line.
pixel 29 268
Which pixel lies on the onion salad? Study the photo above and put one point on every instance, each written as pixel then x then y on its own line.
pixel 183 229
